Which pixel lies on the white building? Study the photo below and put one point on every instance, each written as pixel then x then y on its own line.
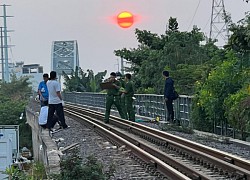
pixel 33 71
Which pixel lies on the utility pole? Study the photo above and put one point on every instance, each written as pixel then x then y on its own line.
pixel 2 59
pixel 6 66
pixel 122 66
pixel 219 24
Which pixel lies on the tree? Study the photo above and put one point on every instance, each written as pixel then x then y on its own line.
pixel 238 111
pixel 170 51
pixel 83 82
pixel 14 97
pixel 221 82
pixel 173 25
pixel 222 98
pixel 72 168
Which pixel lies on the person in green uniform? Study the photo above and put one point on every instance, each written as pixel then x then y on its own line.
pixel 123 83
pixel 113 97
pixel 129 94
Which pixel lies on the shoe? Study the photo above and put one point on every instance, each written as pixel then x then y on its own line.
pixel 106 122
pixel 60 127
pixel 66 127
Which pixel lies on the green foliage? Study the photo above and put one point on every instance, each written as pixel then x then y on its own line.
pixel 83 82
pixel 239 41
pixel 221 81
pixel 215 76
pixel 36 172
pixel 174 51
pixel 72 168
pixel 15 174
pixel 10 111
pixel 17 89
pixel 238 110
pixel 14 97
pixel 173 25
pixel 192 73
pixel 223 97
pixel 25 133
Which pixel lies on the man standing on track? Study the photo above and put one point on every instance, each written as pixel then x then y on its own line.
pixel 123 83
pixel 113 97
pixel 129 94
pixel 55 102
pixel 168 95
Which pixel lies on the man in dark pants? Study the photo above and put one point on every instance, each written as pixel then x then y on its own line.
pixel 123 83
pixel 113 97
pixel 55 101
pixel 168 95
pixel 129 93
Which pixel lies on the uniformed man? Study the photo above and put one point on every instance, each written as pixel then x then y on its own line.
pixel 129 94
pixel 122 81
pixel 113 97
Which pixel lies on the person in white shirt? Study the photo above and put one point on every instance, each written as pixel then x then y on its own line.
pixel 55 102
pixel 43 116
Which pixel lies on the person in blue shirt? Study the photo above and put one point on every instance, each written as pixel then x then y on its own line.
pixel 169 95
pixel 43 90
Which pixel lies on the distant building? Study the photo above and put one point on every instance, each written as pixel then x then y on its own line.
pixel 33 71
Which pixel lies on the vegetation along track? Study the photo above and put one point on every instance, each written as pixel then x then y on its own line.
pixel 192 159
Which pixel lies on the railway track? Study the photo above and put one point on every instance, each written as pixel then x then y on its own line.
pixel 172 156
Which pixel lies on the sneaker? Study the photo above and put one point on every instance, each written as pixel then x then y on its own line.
pixel 55 131
pixel 66 127
pixel 59 128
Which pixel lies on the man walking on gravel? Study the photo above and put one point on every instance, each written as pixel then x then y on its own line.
pixel 55 102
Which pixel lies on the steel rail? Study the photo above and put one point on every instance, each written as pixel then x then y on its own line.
pixel 158 164
pixel 224 160
pixel 189 171
pixel 240 162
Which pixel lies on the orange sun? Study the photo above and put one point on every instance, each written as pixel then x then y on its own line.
pixel 125 19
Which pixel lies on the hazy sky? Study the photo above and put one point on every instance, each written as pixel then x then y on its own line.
pixel 36 23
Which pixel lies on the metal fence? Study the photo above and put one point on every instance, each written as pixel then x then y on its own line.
pixel 148 105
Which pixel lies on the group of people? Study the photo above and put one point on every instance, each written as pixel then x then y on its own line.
pixel 120 94
pixel 49 91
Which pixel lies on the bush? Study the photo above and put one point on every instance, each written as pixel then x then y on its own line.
pixel 92 169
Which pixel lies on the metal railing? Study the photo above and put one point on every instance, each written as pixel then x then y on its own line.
pixel 149 105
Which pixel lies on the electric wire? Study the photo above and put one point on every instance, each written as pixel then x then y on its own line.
pixel 194 14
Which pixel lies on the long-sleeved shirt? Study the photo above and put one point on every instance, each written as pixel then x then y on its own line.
pixel 169 88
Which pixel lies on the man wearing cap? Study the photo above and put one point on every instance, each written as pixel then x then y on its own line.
pixel 55 102
pixel 113 97
pixel 43 90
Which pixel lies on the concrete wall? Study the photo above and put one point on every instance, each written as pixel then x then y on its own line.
pixel 44 148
